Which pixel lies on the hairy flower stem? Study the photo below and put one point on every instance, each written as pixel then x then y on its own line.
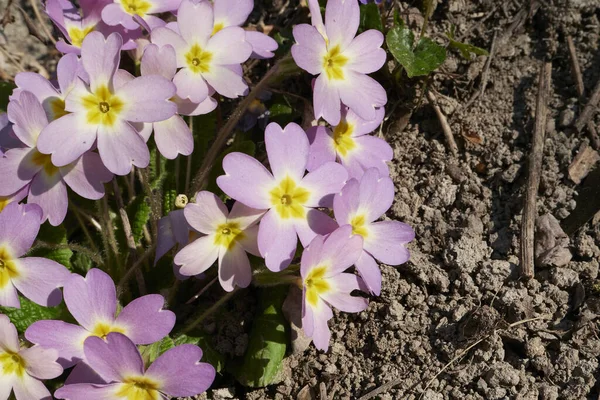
pixel 134 269
pixel 155 205
pixel 282 68
pixel 84 228
pixel 192 324
pixel 108 234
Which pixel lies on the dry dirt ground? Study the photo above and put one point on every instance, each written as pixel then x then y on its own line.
pixel 453 322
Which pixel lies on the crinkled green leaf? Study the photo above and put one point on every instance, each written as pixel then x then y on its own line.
pixel 139 214
pixel 268 341
pixel 31 312
pixel 54 246
pixel 154 350
pixel 209 354
pixel 465 49
pixel 426 57
pixel 81 263
pixel 6 89
pixel 370 17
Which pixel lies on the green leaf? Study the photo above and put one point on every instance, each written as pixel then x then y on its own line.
pixel 139 213
pixel 31 312
pixel 465 49
pixel 268 341
pixel 370 17
pixel 55 245
pixel 153 351
pixel 209 354
pixel 169 197
pixel 426 57
pixel 6 89
pixel 81 263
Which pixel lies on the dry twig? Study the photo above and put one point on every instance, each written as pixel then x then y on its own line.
pixel 42 23
pixel 590 109
pixel 534 173
pixel 444 123
pixel 484 75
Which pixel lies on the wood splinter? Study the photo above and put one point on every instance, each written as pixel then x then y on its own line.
pixel 534 173
pixel 443 122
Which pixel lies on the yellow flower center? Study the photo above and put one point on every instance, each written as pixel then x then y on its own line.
pixel 217 27
pixel 136 7
pixel 333 63
pixel 228 234
pixel 77 35
pixel 4 201
pixel 316 284
pixel 342 137
pixel 102 329
pixel 102 107
pixel 138 388
pixel 198 60
pixel 8 268
pixel 359 225
pixel 288 199
pixel 44 161
pixel 12 364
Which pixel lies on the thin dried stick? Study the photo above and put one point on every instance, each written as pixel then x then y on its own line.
pixel 575 68
pixel 84 228
pixel 190 326
pixel 444 123
pixel 484 75
pixel 202 291
pixel 134 268
pixel 38 15
pixel 590 108
pixel 588 111
pixel 534 173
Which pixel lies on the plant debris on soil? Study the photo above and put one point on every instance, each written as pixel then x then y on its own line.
pixel 458 321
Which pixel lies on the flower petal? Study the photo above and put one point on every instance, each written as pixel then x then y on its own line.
pixel 250 240
pixel 361 126
pixel 180 371
pixel 87 176
pixel 50 193
pixel 120 147
pixel 323 183
pixel 67 72
pixel 147 99
pixel 244 215
pixel 9 338
pixel 316 223
pixel 207 213
pixel 229 46
pixel 19 226
pixel 246 180
pixel 287 150
pixel 234 268
pixel 17 170
pixel 39 280
pixel 310 48
pixel 326 99
pixel 159 61
pixel 114 358
pixel 191 86
pixel 363 95
pixel 198 256
pixel 340 297
pixel 376 194
pixel 263 46
pixel 195 21
pixel 100 56
pixel 232 12
pixel 372 152
pixel 341 250
pixel 386 241
pixel 342 18
pixel 173 137
pixel 365 53
pixel 321 147
pixel 167 37
pixel 29 388
pixel 145 319
pixel 28 117
pixel 113 15
pixel 41 363
pixel 369 270
pixel 320 314
pixel 9 296
pixel 87 391
pixel 91 299
pixel 277 241
pixel 66 338
pixel 226 82
pixel 36 84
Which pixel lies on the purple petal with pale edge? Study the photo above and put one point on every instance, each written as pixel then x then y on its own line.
pixel 66 72
pixel 165 5
pixel 91 299
pixel 181 228
pixel 250 240
pixel 39 280
pixel 19 226
pixel 365 52
pixel 29 388
pixel 87 391
pixel 83 373
pixel 198 256
pixel 120 147
pixel 361 126
pixel 41 363
pixel 191 86
pixel 87 176
pixel 147 99
pixel 317 319
pixel 146 320
pixel 376 194
pixel 75 101
pixel 67 138
pixel 17 170
pixel 121 78
pixel 6 385
pixel 362 94
pixel 36 84
pixel 246 180
pixel 234 268
pixel 195 21
pixel 229 46
pixel 186 107
pixel 323 183
pixel 322 149
pixel 244 215
pixel 66 338
pixel 207 213
pixel 13 198
pixel 173 137
pixel 263 45
pixel 100 57
pixel 372 152
pixel 165 240
pixel 159 61
pixel 180 371
pixel 343 284
pixel 326 100
pixel 311 255
pixel 309 50
pixel 50 193
pixel 315 15
pixel 66 48
pixel 233 12
pixel 167 37
pixel 9 296
pixel 54 9
pixel 28 117
pixel 114 358
pixel 346 203
pixel 341 250
pixel 287 150
pixel 226 82
pixel 342 18
pixel 308 319
pixel 113 14
pixel 369 270
pixel 316 223
pixel 386 241
pixel 9 338
pixel 277 240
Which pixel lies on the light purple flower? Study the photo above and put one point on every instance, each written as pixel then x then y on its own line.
pixel 360 204
pixel 290 197
pixel 325 284
pixel 23 369
pixel 173 135
pixel 205 59
pixel 229 235
pixel 235 13
pixel 13 198
pixel 350 143
pixel 75 24
pixel 36 278
pixel 27 167
pixel 8 139
pixel 173 229
pixel 130 13
pixel 92 301
pixel 175 373
pixel 104 110
pixel 341 61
